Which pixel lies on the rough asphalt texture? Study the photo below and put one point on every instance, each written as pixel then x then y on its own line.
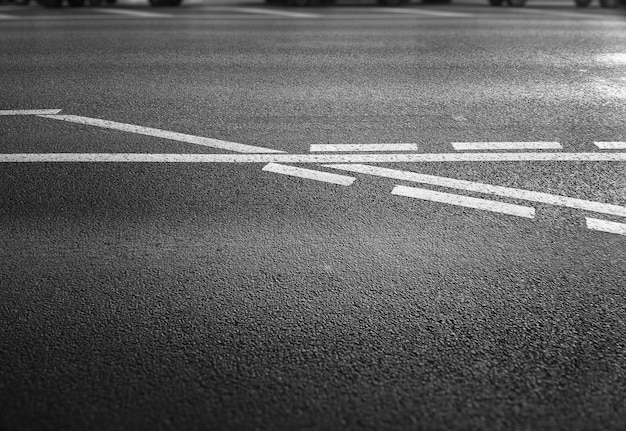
pixel 144 296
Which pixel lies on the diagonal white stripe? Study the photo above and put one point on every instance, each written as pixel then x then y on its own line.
pixel 132 13
pixel 309 174
pixel 424 12
pixel 606 226
pixel 465 201
pixel 508 192
pixel 29 111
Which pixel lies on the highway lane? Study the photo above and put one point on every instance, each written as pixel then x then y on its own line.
pixel 226 296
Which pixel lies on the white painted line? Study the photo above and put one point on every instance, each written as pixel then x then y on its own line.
pixel 29 111
pixel 268 11
pixel 362 147
pixel 132 13
pixel 308 158
pixel 424 12
pixel 508 192
pixel 606 226
pixel 487 146
pixel 548 12
pixel 181 137
pixel 465 201
pixel 309 174
pixel 5 16
pixel 611 145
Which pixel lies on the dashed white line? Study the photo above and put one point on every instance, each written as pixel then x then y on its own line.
pixel 7 17
pixel 268 11
pixel 606 226
pixel 362 147
pixel 490 146
pixel 611 145
pixel 29 111
pixel 133 13
pixel 309 174
pixel 548 12
pixel 304 158
pixel 465 201
pixel 174 136
pixel 508 192
pixel 424 12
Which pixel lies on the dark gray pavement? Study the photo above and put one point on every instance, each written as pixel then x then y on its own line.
pixel 221 296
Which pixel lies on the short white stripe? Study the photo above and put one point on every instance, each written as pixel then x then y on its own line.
pixel 362 147
pixel 306 158
pixel 4 16
pixel 133 13
pixel 606 226
pixel 268 11
pixel 465 201
pixel 424 12
pixel 611 145
pixel 487 146
pixel 309 174
pixel 181 137
pixel 508 192
pixel 548 12
pixel 29 111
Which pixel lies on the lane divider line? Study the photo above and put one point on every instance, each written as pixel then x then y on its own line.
pixel 606 226
pixel 309 158
pixel 489 146
pixel 611 145
pixel 308 174
pixel 362 147
pixel 464 201
pixel 424 12
pixel 548 13
pixel 158 133
pixel 29 111
pixel 508 192
pixel 268 11
pixel 133 13
pixel 7 17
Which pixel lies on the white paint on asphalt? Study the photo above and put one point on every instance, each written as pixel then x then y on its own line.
pixel 268 11
pixel 5 16
pixel 424 12
pixel 29 111
pixel 606 226
pixel 616 58
pixel 472 186
pixel 158 133
pixel 132 13
pixel 490 146
pixel 465 201
pixel 615 145
pixel 310 158
pixel 362 147
pixel 549 13
pixel 308 174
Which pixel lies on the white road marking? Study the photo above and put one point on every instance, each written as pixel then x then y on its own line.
pixel 362 147
pixel 181 137
pixel 309 174
pixel 611 145
pixel 548 12
pixel 487 146
pixel 307 158
pixel 29 111
pixel 5 16
pixel 424 12
pixel 268 11
pixel 465 201
pixel 606 226
pixel 508 192
pixel 133 13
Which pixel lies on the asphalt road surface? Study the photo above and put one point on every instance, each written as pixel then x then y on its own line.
pixel 238 216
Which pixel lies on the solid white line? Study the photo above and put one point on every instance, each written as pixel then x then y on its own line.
pixel 362 147
pixel 29 111
pixel 547 12
pixel 424 12
pixel 309 174
pixel 133 13
pixel 307 158
pixel 181 137
pixel 465 201
pixel 268 11
pixel 611 145
pixel 508 192
pixel 487 146
pixel 606 226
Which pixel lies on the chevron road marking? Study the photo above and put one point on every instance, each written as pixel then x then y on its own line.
pixel 309 174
